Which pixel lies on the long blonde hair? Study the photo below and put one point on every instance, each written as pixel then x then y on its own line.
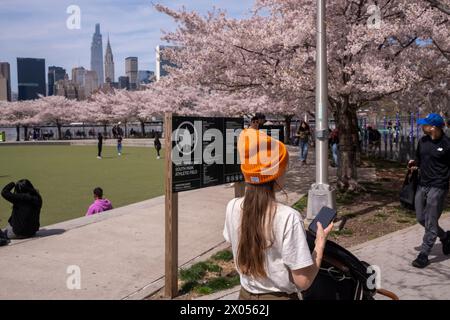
pixel 256 232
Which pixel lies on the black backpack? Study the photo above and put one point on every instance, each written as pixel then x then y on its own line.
pixel 409 188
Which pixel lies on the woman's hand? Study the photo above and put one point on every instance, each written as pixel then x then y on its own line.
pixel 322 235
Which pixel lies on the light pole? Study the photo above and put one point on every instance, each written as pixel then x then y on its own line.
pixel 321 194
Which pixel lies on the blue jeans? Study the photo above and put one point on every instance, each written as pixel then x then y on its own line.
pixel 303 150
pixel 335 153
pixel 119 148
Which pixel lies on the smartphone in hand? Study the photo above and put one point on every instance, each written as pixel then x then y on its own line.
pixel 325 216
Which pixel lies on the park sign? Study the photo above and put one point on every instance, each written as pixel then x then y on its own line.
pixel 200 152
pixel 204 152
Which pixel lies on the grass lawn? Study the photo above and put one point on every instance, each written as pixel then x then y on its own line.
pixel 66 176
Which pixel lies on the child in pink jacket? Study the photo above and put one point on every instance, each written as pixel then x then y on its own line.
pixel 99 204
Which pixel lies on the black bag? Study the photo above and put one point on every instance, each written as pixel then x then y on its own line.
pixel 408 192
pixel 342 276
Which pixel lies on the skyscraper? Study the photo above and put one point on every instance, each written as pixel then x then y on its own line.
pixel 54 74
pixel 109 63
pixel 31 78
pixel 162 62
pixel 131 70
pixel 78 75
pixel 5 82
pixel 69 89
pixel 97 54
pixel 90 82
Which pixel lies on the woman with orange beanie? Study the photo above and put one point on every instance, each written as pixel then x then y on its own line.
pixel 268 238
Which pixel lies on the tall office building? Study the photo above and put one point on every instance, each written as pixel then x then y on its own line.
pixel 124 83
pixel 90 82
pixel 162 62
pixel 5 82
pixel 31 78
pixel 69 89
pixel 109 64
pixel 54 74
pixel 97 54
pixel 131 70
pixel 78 75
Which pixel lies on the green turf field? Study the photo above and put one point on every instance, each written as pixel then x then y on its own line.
pixel 66 176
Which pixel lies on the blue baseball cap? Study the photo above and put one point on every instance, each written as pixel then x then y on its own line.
pixel 433 119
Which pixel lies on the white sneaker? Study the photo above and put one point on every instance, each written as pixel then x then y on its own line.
pixel 99 157
pixel 158 157
pixel 120 154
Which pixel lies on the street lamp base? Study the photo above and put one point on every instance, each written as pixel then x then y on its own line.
pixel 320 195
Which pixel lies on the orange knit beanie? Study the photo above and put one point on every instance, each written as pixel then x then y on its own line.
pixel 263 158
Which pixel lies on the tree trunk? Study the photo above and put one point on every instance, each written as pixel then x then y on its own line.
pixel 287 130
pixel 347 171
pixel 105 131
pixel 59 131
pixel 18 133
pixel 142 128
pixel 25 133
pixel 355 138
pixel 126 131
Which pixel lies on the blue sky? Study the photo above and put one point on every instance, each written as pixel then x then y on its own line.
pixel 37 29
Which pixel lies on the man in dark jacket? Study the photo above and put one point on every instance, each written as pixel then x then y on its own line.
pixel 27 204
pixel 433 161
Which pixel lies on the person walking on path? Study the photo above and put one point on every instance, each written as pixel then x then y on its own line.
pixel 99 145
pixel 99 204
pixel 334 143
pixel 267 238
pixel 157 144
pixel 27 204
pixel 119 145
pixel 432 159
pixel 304 136
pixel 374 137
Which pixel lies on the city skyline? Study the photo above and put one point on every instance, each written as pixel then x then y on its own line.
pixel 38 30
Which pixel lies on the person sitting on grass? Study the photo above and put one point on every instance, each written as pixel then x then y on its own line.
pixel 99 204
pixel 27 204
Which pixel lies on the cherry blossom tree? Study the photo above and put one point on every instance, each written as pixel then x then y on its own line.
pixel 272 55
pixel 56 110
pixel 19 114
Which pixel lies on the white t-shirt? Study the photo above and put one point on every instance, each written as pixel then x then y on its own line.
pixel 289 251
